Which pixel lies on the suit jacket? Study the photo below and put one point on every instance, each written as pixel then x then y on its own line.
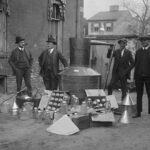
pixel 122 64
pixel 138 59
pixel 14 58
pixel 56 56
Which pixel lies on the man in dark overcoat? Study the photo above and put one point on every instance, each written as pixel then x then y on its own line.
pixel 21 61
pixel 142 73
pixel 123 63
pixel 49 64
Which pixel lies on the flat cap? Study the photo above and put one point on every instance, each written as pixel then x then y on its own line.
pixel 122 40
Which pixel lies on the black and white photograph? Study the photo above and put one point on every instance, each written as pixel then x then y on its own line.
pixel 74 74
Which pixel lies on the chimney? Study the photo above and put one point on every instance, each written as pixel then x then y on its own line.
pixel 114 8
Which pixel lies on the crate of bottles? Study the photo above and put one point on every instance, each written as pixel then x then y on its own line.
pixel 97 102
pixel 56 99
pixel 96 98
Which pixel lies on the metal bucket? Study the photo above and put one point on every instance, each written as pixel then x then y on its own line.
pixel 20 100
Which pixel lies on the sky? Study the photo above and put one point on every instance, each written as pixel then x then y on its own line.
pixel 91 7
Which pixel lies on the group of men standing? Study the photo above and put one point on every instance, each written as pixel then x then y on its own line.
pixel 124 62
pixel 21 62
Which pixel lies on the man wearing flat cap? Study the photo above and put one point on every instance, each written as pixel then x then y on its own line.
pixel 142 73
pixel 49 64
pixel 123 63
pixel 21 62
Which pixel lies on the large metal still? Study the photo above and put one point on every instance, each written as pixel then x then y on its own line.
pixel 79 75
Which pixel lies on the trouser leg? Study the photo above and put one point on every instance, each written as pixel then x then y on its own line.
pixel 27 79
pixel 46 81
pixel 123 82
pixel 112 83
pixel 19 77
pixel 139 82
pixel 147 84
pixel 54 81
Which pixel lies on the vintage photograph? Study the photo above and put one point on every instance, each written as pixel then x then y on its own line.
pixel 74 74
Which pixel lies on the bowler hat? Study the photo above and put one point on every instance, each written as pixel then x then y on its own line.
pixel 142 38
pixel 122 40
pixel 51 39
pixel 19 39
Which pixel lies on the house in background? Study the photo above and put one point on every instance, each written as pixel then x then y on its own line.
pixel 109 26
pixel 112 22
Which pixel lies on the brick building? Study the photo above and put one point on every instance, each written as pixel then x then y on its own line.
pixel 34 20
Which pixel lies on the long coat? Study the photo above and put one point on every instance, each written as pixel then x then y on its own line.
pixel 138 59
pixel 56 56
pixel 122 64
pixel 14 58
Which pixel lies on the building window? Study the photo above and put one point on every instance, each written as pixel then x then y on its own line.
pixel 56 9
pixel 55 12
pixel 95 27
pixel 109 27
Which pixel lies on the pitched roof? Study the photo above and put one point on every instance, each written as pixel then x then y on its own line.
pixel 109 15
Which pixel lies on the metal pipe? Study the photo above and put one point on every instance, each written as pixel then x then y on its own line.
pixel 62 36
pixel 76 22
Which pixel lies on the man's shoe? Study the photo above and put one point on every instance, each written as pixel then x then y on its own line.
pixel 137 115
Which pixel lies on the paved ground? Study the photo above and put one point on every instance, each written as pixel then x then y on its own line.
pixel 28 135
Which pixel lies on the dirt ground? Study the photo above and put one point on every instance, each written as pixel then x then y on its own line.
pixel 29 135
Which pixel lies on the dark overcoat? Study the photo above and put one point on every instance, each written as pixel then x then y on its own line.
pixel 122 64
pixel 14 58
pixel 138 59
pixel 56 56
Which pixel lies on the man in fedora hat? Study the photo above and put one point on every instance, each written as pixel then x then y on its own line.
pixel 123 63
pixel 21 62
pixel 142 73
pixel 49 64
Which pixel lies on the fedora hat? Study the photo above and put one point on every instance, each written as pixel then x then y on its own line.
pixel 19 39
pixel 122 40
pixel 142 38
pixel 51 39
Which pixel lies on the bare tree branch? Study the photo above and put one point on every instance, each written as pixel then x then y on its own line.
pixel 132 11
pixel 144 17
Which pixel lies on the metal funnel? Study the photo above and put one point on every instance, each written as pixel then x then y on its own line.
pixel 128 100
pixel 15 105
pixel 125 118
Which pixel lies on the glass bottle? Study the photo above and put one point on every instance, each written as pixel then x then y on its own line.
pixel 76 102
pixel 39 116
pixel 89 103
pixel 107 107
pixel 35 112
pixel 47 117
pixel 63 108
pixel 83 108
